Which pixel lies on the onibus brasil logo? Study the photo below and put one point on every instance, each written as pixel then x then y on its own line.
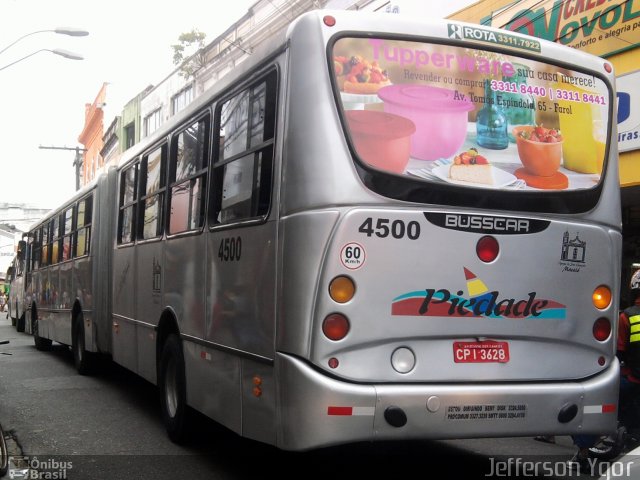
pixel 478 302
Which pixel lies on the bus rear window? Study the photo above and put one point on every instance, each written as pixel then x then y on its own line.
pixel 471 118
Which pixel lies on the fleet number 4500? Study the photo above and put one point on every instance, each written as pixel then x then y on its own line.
pixel 384 227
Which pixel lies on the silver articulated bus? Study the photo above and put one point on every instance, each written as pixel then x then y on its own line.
pixel 374 228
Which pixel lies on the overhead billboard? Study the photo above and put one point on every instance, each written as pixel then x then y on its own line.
pixel 599 27
pixel 628 111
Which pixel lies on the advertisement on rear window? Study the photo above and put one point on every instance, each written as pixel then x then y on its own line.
pixel 469 117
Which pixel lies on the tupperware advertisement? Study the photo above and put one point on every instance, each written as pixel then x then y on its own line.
pixel 469 117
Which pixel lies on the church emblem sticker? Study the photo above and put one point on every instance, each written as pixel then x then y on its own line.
pixel 573 254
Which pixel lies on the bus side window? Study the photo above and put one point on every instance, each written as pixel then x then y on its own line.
pixel 55 239
pixel 45 258
pixel 128 199
pixel 35 244
pixel 67 227
pixel 243 170
pixel 152 188
pixel 82 232
pixel 188 176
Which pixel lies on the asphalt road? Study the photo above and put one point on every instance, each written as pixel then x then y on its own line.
pixel 108 426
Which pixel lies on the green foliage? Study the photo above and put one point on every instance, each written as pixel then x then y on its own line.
pixel 189 52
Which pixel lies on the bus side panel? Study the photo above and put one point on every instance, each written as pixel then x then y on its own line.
pixel 304 242
pixel 45 319
pixel 103 237
pixel 83 292
pixel 183 279
pixel 149 308
pixel 65 298
pixel 124 304
pixel 259 401
pixel 213 384
pixel 54 316
pixel 62 313
pixel 241 288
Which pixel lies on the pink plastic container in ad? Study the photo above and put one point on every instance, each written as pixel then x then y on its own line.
pixel 439 117
pixel 381 139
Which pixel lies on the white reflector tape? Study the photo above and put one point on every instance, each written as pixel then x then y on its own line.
pixel 608 408
pixel 364 411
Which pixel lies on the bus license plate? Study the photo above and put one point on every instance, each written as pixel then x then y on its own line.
pixel 481 352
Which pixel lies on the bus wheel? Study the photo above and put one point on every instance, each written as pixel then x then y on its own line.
pixel 173 394
pixel 82 359
pixel 40 343
pixel 20 323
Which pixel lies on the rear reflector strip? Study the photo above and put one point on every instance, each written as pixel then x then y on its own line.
pixel 608 408
pixel 351 411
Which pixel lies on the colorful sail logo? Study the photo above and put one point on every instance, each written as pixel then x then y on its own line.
pixel 480 302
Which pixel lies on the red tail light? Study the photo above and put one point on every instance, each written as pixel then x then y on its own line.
pixel 601 329
pixel 335 327
pixel 487 249
pixel 329 21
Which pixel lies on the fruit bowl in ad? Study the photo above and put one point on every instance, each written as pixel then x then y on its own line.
pixel 539 149
pixel 440 117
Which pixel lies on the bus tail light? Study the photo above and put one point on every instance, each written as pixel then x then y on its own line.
pixel 329 20
pixel 487 249
pixel 335 327
pixel 601 329
pixel 601 297
pixel 342 289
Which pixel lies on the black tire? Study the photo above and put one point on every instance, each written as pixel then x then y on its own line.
pixel 20 324
pixel 4 454
pixel 608 448
pixel 173 390
pixel 83 360
pixel 39 342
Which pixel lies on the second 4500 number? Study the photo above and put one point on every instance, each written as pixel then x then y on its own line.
pixel 396 228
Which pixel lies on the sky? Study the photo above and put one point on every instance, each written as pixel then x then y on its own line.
pixel 42 98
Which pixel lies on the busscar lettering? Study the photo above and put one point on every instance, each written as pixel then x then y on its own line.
pixel 485 305
pixel 472 222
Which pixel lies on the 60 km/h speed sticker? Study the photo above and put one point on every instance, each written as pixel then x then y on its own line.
pixel 352 255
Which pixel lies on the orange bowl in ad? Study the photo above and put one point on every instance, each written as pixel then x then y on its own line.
pixel 383 140
pixel 539 148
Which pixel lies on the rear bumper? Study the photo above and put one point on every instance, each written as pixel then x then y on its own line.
pixel 316 410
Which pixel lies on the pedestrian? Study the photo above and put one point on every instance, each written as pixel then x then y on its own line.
pixel 3 301
pixel 628 353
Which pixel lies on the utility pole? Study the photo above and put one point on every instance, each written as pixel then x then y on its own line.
pixel 77 162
